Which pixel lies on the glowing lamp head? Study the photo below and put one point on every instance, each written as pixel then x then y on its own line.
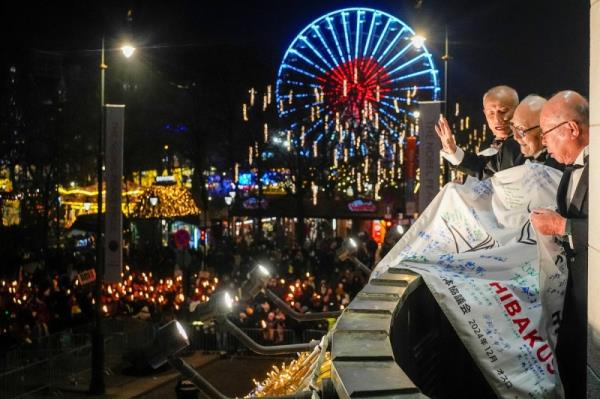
pixel 169 340
pixel 263 270
pixel 228 300
pixel 399 229
pixel 181 330
pixel 352 242
pixel 418 41
pixel 256 281
pixel 128 50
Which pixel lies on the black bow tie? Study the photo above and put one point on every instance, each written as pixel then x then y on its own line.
pixel 497 142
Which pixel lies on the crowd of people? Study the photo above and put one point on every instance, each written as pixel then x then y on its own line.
pixel 40 303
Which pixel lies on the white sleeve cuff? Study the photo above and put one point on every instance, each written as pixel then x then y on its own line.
pixel 571 241
pixel 454 159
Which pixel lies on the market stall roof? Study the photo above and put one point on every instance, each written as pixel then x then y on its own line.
pixel 88 223
pixel 165 202
pixel 89 193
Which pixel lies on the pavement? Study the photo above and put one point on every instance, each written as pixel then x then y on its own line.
pixel 230 375
pixel 123 386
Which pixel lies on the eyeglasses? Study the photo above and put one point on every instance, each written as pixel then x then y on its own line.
pixel 554 128
pixel 521 132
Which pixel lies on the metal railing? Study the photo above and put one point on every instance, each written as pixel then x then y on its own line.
pixel 213 340
pixel 64 359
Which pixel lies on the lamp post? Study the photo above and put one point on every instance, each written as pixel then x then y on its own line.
pixel 97 386
pixel 446 58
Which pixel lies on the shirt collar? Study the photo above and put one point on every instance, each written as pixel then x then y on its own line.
pixel 539 153
pixel 580 160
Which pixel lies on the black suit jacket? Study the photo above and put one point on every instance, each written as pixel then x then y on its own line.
pixel 571 347
pixel 481 166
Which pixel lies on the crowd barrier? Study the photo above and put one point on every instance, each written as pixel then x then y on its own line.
pixel 63 360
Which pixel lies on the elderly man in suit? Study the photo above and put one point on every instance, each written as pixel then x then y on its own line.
pixel 565 131
pixel 499 104
pixel 525 125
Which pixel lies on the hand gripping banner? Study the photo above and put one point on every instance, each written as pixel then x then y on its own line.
pixel 500 285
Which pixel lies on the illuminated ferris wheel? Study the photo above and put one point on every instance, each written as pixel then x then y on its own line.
pixel 349 76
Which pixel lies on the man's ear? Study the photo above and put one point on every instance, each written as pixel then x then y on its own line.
pixel 575 129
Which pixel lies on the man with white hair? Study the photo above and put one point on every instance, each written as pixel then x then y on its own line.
pixel 566 133
pixel 525 125
pixel 499 104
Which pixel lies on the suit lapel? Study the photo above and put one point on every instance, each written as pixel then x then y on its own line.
pixel 580 192
pixel 561 194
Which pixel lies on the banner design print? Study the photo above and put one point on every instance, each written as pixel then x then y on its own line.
pixel 500 285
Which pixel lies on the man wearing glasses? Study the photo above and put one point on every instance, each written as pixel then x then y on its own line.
pixel 499 104
pixel 565 131
pixel 525 125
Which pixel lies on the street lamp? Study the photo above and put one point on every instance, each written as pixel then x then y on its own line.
pixel 348 252
pixel 127 50
pixel 417 41
pixel 256 282
pixel 97 385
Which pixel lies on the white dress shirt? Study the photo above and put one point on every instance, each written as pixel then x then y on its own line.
pixel 576 174
pixel 454 159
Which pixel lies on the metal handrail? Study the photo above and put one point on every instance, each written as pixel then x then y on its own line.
pixel 188 372
pixel 261 349
pixel 285 308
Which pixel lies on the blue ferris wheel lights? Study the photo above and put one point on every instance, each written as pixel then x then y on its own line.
pixel 346 33
pixel 381 36
pixel 318 54
pixel 412 75
pixel 369 34
pixel 299 54
pixel 407 63
pixel 358 21
pixel 299 70
pixel 337 43
pixel 350 66
pixel 324 43
pixel 392 43
pixel 398 54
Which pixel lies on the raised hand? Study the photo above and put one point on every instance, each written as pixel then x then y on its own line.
pixel 442 128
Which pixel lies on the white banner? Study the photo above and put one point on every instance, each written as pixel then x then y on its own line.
pixel 113 233
pixel 500 285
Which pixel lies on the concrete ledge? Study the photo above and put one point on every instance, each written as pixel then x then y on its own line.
pixel 372 379
pixel 350 345
pixel 362 322
pixel 363 364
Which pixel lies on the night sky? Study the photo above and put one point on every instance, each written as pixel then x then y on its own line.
pixel 534 45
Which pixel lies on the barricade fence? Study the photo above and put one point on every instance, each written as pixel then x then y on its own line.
pixel 64 359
